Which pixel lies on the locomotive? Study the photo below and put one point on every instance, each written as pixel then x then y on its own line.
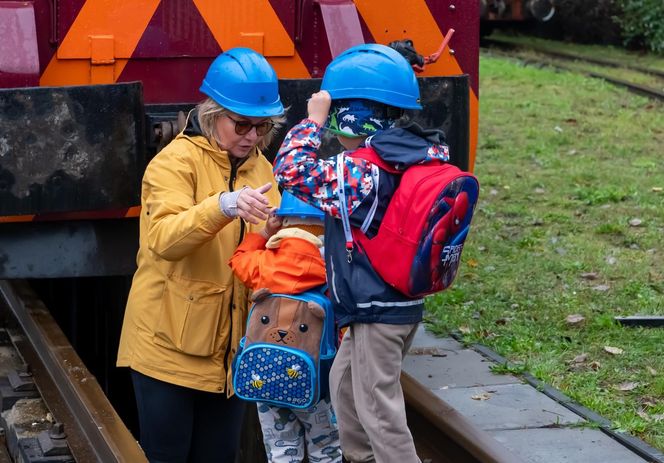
pixel 516 10
pixel 500 13
pixel 90 90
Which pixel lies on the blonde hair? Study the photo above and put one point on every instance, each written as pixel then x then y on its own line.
pixel 209 111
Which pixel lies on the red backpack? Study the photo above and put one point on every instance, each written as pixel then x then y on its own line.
pixel 417 249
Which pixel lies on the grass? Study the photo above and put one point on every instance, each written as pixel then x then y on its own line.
pixel 570 221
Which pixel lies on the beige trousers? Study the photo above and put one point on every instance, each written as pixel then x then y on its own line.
pixel 367 395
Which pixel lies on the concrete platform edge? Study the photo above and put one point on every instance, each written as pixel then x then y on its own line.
pixel 636 445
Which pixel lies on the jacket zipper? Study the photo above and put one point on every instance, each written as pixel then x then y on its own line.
pixel 334 287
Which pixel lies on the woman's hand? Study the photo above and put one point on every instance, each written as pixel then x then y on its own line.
pixel 273 224
pixel 252 205
pixel 319 107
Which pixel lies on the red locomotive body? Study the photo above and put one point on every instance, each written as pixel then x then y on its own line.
pixel 90 89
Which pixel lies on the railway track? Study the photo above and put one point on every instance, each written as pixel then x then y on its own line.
pixel 61 413
pixel 580 64
pixel 54 410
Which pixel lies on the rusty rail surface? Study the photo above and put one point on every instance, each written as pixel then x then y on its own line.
pixel 94 430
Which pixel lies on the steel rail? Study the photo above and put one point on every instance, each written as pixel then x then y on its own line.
pixel 572 56
pixel 632 87
pixel 96 433
pixel 94 430
pixel 442 434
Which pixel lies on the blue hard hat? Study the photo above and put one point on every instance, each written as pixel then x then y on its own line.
pixel 242 81
pixel 373 72
pixel 291 206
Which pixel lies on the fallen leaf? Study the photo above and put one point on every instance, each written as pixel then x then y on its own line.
pixel 635 222
pixel 643 415
pixel 613 350
pixel 611 260
pixel 601 288
pixel 589 276
pixel 472 263
pixel 627 386
pixel 574 319
pixel 433 351
pixel 580 358
pixel 657 189
pixel 652 371
pixel 648 402
pixel 482 396
pixel 464 329
pixel 595 365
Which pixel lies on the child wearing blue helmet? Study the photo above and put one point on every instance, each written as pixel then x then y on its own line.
pixel 363 94
pixel 286 258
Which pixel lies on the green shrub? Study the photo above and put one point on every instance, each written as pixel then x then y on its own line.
pixel 589 21
pixel 642 23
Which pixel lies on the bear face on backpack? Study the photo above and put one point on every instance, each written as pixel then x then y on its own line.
pixel 285 322
pixel 285 357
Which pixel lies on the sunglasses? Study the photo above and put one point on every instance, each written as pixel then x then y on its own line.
pixel 243 127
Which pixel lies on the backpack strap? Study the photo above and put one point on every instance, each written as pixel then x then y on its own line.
pixel 370 154
pixel 343 207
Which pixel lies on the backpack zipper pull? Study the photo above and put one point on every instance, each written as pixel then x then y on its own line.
pixel 349 251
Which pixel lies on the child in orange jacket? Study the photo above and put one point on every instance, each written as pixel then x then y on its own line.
pixel 286 257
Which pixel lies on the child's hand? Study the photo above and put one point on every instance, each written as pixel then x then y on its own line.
pixel 319 106
pixel 273 224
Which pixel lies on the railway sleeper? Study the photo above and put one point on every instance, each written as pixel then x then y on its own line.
pixel 30 433
pixel 31 436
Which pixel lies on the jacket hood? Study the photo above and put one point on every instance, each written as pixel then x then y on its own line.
pixel 193 132
pixel 408 145
pixel 192 127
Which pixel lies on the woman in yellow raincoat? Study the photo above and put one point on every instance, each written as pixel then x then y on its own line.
pixel 186 312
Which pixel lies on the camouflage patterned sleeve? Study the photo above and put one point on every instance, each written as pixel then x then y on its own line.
pixel 298 169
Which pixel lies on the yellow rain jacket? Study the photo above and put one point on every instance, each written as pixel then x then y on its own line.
pixel 186 312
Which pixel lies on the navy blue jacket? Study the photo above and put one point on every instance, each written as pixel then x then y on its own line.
pixel 359 294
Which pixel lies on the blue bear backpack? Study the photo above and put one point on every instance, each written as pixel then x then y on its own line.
pixel 284 359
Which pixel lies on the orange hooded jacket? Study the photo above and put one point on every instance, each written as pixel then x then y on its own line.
pixel 291 265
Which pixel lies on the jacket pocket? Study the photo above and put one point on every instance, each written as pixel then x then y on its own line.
pixel 189 316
